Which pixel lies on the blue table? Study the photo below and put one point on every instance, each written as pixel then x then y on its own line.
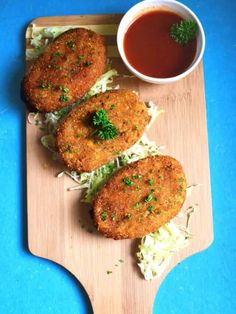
pixel 205 283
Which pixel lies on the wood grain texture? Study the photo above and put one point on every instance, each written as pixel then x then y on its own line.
pixel 60 227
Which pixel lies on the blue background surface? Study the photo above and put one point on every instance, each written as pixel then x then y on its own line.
pixel 204 283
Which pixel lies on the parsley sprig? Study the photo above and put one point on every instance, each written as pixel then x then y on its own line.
pixel 184 31
pixel 104 128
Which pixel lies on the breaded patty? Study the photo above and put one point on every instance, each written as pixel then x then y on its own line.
pixel 140 198
pixel 66 70
pixel 80 150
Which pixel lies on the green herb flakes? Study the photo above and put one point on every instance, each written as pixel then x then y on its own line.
pixel 129 216
pixel 150 182
pixel 104 127
pixel 71 44
pixel 148 198
pixel 136 176
pixel 87 63
pixel 127 182
pixel 112 106
pixel 57 54
pixel 43 86
pixel 184 31
pixel 64 98
pixel 103 216
pixel 64 89
pixel 67 148
pixel 137 205
pixel 150 208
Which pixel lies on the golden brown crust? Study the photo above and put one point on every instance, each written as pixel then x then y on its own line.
pixel 73 61
pixel 80 151
pixel 124 211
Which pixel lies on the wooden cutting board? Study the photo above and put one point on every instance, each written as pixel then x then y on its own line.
pixel 60 227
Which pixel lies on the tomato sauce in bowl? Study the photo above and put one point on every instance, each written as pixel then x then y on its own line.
pixel 150 49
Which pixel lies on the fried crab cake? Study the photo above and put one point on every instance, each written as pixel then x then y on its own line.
pixel 81 149
pixel 65 71
pixel 140 198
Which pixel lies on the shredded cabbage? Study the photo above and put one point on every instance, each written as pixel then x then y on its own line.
pixel 153 112
pixel 156 249
pixel 92 181
pixel 103 84
pixel 41 39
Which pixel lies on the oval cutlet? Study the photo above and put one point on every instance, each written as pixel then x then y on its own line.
pixel 80 150
pixel 140 198
pixel 66 70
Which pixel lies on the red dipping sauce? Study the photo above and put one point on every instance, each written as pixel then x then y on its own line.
pixel 150 49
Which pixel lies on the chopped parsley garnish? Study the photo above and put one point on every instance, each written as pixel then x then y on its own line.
pixel 138 188
pixel 128 182
pixel 81 57
pixel 113 217
pixel 104 127
pixel 136 176
pixel 153 190
pixel 129 216
pixel 87 63
pixel 100 117
pixel 109 132
pixel 155 198
pixel 64 98
pixel 43 86
pixel 112 106
pixel 64 89
pixel 57 54
pixel 150 182
pixel 103 216
pixel 77 62
pixel 184 31
pixel 150 208
pixel 67 148
pixel 71 44
pixel 136 205
pixel 148 198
